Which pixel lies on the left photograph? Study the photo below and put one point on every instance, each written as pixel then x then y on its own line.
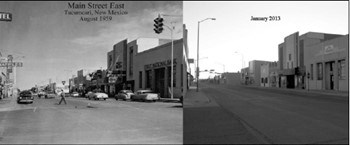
pixel 92 72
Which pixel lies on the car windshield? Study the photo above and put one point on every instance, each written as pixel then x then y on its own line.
pixel 25 93
pixel 128 91
pixel 144 91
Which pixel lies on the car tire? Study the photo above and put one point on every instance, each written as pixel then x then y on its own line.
pixel 116 98
pixel 105 99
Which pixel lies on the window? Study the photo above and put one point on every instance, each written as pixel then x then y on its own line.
pixel 262 80
pixel 140 79
pixel 131 59
pixel 266 81
pixel 290 56
pixel 312 71
pixel 148 78
pixel 291 64
pixel 319 71
pixel 341 69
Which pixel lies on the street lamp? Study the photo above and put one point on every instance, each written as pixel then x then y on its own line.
pixel 198 48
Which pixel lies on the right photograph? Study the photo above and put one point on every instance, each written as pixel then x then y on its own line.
pixel 267 72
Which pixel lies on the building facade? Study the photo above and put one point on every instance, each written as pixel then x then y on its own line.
pixel 327 64
pixel 269 75
pixel 291 57
pixel 145 63
pixel 252 74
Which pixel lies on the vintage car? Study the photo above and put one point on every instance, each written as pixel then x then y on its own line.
pixel 75 94
pixel 124 95
pixel 145 95
pixel 96 96
pixel 50 95
pixel 42 94
pixel 25 97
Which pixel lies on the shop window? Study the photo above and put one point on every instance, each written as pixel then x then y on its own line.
pixel 341 69
pixel 312 71
pixel 148 78
pixel 319 71
pixel 140 79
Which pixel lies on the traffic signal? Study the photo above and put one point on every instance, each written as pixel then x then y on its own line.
pixel 158 25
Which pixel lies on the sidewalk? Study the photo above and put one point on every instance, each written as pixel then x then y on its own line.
pixel 169 100
pixel 205 122
pixel 321 92
pixel 198 99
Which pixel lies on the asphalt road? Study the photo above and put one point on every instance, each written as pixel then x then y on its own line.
pixel 276 116
pixel 91 122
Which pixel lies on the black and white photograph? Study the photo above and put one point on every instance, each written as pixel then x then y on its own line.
pixel 92 72
pixel 174 72
pixel 268 72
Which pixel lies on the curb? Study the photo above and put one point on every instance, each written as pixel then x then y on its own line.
pixel 169 100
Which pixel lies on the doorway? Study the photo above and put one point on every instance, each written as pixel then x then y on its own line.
pixel 160 81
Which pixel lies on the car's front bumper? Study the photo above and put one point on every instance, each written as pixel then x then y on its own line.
pixel 25 101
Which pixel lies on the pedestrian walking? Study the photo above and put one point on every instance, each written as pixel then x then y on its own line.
pixel 63 97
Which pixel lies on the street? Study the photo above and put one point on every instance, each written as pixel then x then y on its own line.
pixel 271 116
pixel 88 121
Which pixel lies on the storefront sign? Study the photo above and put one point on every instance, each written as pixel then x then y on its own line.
pixel 329 49
pixel 159 64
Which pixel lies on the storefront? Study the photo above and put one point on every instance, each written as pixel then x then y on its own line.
pixel 327 65
pixel 152 70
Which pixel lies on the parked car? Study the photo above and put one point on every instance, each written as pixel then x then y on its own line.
pixel 50 95
pixel 145 95
pixel 97 95
pixel 75 94
pixel 124 95
pixel 89 95
pixel 25 96
pixel 42 94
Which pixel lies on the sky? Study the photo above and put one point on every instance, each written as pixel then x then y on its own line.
pixel 233 37
pixel 53 45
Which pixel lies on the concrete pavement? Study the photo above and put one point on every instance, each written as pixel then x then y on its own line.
pixel 205 122
pixel 286 116
pixel 108 122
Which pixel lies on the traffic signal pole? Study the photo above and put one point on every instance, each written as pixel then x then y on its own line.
pixel 158 29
